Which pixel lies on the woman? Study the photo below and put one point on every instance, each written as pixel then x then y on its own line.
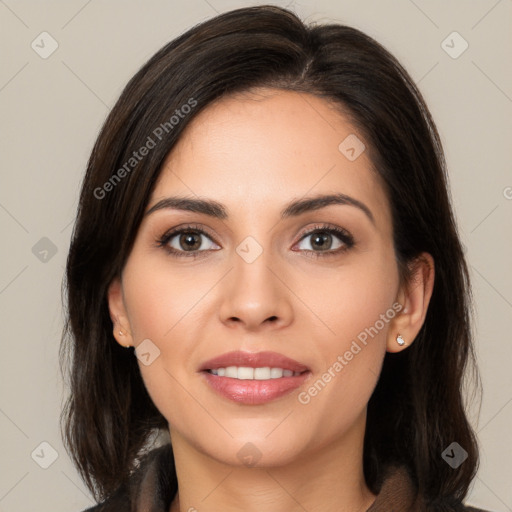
pixel 265 266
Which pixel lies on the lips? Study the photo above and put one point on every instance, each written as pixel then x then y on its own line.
pixel 252 391
pixel 253 360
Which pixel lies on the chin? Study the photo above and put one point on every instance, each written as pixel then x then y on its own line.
pixel 257 451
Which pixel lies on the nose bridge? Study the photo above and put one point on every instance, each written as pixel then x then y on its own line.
pixel 255 292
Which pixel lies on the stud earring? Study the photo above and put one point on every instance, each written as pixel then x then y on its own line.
pixel 400 340
pixel 121 333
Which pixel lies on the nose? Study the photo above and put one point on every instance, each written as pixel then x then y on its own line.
pixel 256 296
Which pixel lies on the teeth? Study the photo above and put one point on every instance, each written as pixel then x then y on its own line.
pixel 247 373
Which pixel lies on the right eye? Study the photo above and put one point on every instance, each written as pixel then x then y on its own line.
pixel 186 241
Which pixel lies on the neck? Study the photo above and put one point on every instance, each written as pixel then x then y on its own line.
pixel 329 479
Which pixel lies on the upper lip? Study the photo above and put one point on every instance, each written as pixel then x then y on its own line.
pixel 253 360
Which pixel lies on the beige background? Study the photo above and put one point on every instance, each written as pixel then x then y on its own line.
pixel 52 109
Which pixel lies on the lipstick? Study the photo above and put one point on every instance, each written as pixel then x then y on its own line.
pixel 254 378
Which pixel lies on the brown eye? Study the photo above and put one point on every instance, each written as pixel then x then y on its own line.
pixel 328 240
pixel 190 241
pixel 187 242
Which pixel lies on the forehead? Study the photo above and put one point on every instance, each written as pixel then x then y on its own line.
pixel 267 146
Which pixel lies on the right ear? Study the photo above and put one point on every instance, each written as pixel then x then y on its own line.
pixel 121 325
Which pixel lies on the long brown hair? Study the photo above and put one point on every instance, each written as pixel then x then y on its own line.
pixel 417 409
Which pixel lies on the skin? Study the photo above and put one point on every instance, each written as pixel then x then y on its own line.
pixel 254 153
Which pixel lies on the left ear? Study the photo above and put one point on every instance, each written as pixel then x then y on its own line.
pixel 414 296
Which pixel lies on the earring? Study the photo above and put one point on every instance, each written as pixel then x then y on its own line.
pixel 400 340
pixel 121 333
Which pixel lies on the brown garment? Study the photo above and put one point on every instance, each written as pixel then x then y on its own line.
pixel 151 489
pixel 398 494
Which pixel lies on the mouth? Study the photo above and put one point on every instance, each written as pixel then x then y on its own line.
pixel 254 378
pixel 247 362
pixel 248 373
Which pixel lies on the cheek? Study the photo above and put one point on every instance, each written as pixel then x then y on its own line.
pixel 354 309
pixel 155 314
pixel 351 299
pixel 159 298
pixel 165 307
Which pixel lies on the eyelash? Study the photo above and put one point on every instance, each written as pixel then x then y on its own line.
pixel 342 234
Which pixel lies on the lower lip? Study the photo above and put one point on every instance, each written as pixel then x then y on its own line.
pixel 254 392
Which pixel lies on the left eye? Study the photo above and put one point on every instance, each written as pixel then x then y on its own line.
pixel 325 240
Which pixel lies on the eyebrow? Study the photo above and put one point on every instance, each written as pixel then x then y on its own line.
pixel 293 209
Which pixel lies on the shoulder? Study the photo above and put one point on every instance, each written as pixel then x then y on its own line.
pixel 149 482
pixel 398 488
pixel 118 501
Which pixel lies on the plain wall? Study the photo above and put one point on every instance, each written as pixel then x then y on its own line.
pixel 51 112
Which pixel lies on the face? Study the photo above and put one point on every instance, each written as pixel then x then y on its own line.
pixel 314 285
